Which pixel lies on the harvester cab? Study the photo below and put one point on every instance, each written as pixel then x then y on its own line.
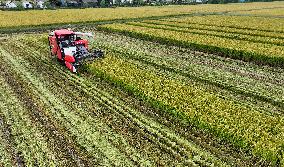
pixel 71 48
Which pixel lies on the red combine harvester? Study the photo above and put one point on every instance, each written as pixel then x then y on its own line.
pixel 71 48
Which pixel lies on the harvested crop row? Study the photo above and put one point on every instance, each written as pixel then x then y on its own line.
pixel 6 157
pixel 262 83
pixel 145 121
pixel 67 154
pixel 230 121
pixel 92 140
pixel 240 22
pixel 206 32
pixel 244 50
pixel 28 138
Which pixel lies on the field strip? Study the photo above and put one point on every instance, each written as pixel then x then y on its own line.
pixel 246 79
pixel 254 36
pixel 262 92
pixel 30 101
pixel 224 118
pixel 246 23
pixel 224 29
pixel 248 51
pixel 7 152
pixel 98 90
pixel 175 27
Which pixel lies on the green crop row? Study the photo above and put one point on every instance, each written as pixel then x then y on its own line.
pixel 212 32
pixel 239 49
pixel 232 122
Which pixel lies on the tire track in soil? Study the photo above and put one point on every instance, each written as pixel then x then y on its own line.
pixel 81 85
pixel 57 141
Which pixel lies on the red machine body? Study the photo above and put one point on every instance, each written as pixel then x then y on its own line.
pixel 70 48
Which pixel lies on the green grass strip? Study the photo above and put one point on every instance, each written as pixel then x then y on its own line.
pixel 230 121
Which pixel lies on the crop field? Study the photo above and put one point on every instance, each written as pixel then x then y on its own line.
pixel 196 85
pixel 278 12
pixel 93 15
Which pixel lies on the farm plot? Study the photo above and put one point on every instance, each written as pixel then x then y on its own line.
pixel 23 19
pixel 246 38
pixel 89 123
pixel 241 125
pixel 93 122
pixel 255 84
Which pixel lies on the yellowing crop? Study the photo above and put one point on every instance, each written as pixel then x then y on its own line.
pixel 45 17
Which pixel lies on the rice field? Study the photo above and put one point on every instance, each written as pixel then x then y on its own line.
pixel 179 86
